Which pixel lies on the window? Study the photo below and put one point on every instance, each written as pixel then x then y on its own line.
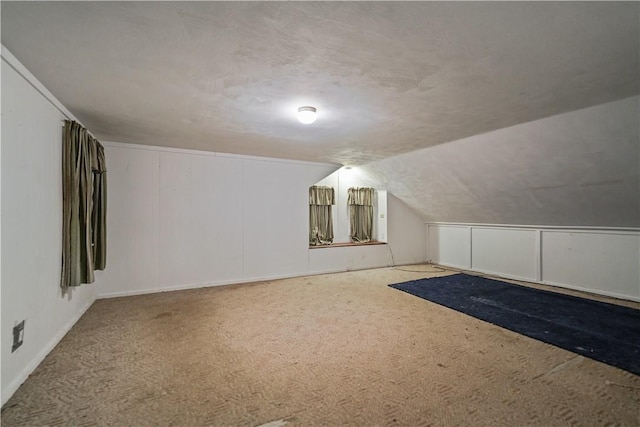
pixel 360 201
pixel 321 201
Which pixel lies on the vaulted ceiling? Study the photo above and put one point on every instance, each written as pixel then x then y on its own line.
pixel 424 95
pixel 386 77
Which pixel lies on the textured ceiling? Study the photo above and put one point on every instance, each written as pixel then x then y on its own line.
pixel 387 78
pixel 580 168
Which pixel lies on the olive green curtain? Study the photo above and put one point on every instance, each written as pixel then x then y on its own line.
pixel 84 205
pixel 321 200
pixel 360 201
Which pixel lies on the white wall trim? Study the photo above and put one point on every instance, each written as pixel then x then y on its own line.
pixel 157 148
pixel 573 228
pixel 22 376
pixel 503 275
pixel 538 259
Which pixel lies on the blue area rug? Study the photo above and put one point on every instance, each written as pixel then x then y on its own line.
pixel 604 332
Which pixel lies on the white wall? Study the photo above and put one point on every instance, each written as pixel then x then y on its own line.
pixel 179 218
pixel 606 262
pixel 505 251
pixel 449 246
pixel 348 258
pixel 32 226
pixel 602 261
pixel 406 236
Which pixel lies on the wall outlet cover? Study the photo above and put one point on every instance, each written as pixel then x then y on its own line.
pixel 18 336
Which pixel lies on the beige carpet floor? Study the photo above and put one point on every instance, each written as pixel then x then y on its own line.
pixel 332 350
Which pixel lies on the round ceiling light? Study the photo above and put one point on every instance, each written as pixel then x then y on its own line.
pixel 307 115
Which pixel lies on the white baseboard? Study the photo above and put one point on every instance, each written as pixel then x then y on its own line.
pixel 35 362
pixel 186 286
pixel 233 282
pixel 504 275
pixel 590 291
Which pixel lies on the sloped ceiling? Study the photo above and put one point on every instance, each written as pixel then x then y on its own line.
pixel 430 97
pixel 580 168
pixel 387 77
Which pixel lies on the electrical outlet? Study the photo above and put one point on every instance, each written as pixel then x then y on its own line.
pixel 18 336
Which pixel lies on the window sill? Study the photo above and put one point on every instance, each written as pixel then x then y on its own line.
pixel 345 244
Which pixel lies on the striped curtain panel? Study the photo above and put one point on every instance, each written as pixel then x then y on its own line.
pixel 84 206
pixel 360 201
pixel 321 200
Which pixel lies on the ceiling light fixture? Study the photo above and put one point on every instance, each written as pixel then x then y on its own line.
pixel 307 115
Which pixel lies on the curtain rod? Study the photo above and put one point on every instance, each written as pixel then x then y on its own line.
pixel 83 126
